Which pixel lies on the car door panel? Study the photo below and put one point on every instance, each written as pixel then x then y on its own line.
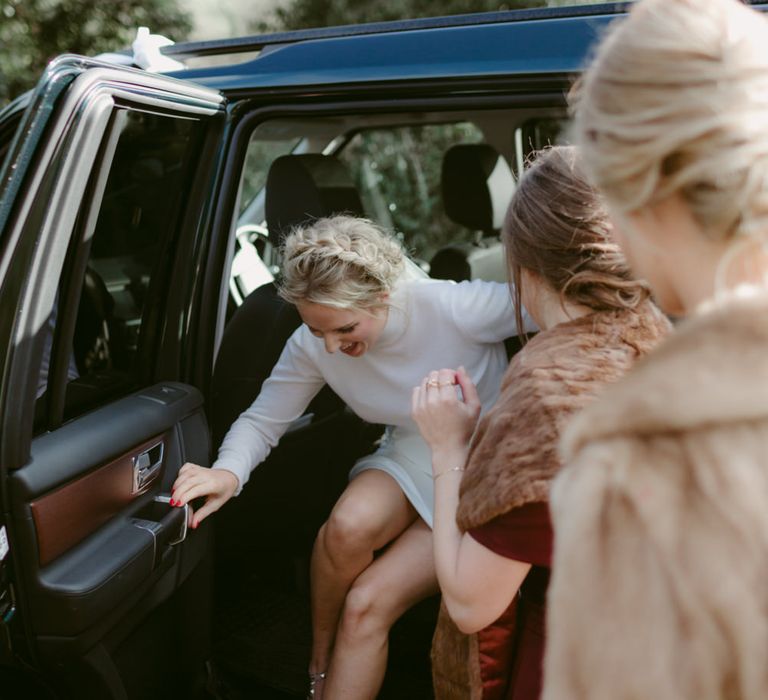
pixel 98 555
pixel 64 517
pixel 99 538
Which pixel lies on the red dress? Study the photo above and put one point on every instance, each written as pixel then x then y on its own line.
pixel 523 534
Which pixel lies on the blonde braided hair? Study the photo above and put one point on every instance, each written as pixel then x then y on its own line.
pixel 340 261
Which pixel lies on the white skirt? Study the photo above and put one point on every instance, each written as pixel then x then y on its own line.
pixel 408 460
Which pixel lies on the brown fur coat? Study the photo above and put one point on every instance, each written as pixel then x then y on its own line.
pixel 514 452
pixel 660 573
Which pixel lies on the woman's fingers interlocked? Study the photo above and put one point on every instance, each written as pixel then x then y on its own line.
pixel 441 414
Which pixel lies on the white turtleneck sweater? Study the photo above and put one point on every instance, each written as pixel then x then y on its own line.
pixel 431 324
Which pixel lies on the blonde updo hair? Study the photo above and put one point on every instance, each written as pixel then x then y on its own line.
pixel 676 102
pixel 557 227
pixel 340 261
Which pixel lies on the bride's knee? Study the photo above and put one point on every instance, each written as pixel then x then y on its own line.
pixel 365 613
pixel 349 529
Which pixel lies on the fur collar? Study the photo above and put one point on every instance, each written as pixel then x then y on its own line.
pixel 712 369
pixel 514 451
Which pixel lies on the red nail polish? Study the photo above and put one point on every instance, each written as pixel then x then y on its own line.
pixel 173 503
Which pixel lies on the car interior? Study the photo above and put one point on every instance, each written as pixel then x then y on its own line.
pixel 439 180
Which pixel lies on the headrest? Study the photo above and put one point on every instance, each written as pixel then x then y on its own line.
pixel 450 263
pixel 304 187
pixel 477 185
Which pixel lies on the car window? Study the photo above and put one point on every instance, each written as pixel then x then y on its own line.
pixel 129 255
pixel 535 134
pixel 4 146
pixel 7 132
pixel 397 172
pixel 259 156
pixel 254 262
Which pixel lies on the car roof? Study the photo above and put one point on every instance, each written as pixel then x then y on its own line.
pixel 516 42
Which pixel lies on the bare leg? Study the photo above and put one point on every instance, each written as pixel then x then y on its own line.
pixel 399 578
pixel 370 513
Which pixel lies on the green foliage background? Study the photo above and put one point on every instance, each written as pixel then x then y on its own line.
pixel 32 32
pixel 398 174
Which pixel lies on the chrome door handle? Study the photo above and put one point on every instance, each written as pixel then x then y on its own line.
pixel 146 467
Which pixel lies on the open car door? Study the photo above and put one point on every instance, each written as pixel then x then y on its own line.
pixel 103 590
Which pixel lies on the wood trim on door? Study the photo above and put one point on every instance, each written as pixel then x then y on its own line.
pixel 69 514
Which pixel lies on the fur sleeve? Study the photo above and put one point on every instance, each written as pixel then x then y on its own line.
pixel 559 372
pixel 658 578
pixel 513 458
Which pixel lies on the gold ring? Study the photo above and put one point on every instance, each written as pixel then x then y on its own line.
pixel 445 383
pixel 433 382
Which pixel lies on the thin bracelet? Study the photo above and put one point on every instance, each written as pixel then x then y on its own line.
pixel 447 471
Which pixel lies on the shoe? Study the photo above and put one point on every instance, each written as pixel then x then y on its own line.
pixel 314 679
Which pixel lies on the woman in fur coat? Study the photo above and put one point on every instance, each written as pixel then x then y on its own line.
pixel 660 574
pixel 492 535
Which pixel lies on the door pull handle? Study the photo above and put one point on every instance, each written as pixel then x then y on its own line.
pixel 182 533
pixel 146 467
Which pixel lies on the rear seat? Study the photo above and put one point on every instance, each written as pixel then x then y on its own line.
pixel 477 185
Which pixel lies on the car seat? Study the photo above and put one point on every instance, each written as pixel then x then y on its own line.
pixel 476 185
pixel 299 188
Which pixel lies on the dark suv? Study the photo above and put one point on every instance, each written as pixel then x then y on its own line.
pixel 140 216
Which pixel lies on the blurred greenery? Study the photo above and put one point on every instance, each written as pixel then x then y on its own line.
pixel 398 174
pixel 302 14
pixel 396 170
pixel 32 32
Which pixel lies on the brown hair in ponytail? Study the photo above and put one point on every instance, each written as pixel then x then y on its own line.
pixel 557 227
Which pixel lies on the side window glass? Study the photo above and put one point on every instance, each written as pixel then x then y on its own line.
pixel 397 172
pixel 264 147
pixel 536 134
pixel 129 259
pixel 255 263
pixel 4 146
pixel 7 133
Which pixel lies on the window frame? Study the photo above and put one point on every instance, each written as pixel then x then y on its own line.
pixel 73 276
pixel 59 409
pixel 50 164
